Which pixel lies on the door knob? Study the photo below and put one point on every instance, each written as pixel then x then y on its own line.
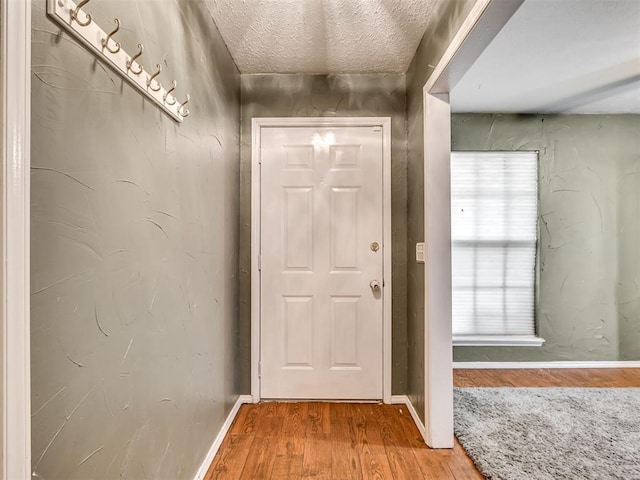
pixel 375 285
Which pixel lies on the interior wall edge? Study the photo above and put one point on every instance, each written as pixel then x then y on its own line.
pixel 451 16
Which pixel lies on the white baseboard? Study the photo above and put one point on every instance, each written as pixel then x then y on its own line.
pixel 404 400
pixel 517 365
pixel 202 471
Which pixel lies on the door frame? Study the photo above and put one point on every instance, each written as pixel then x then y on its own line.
pixel 256 125
pixel 482 24
pixel 15 143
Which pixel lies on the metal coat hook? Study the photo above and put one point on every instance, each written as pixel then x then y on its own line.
pixel 183 111
pixel 152 77
pixel 168 92
pixel 108 46
pixel 74 14
pixel 105 41
pixel 132 59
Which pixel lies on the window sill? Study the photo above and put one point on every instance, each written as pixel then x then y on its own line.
pixel 497 341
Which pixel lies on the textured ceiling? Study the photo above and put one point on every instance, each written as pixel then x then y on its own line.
pixel 322 36
pixel 568 56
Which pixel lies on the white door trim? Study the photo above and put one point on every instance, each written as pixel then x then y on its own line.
pixel 485 20
pixel 15 459
pixel 256 125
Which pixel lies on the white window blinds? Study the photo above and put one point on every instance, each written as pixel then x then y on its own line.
pixel 494 205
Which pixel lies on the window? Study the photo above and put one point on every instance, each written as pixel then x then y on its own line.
pixel 494 210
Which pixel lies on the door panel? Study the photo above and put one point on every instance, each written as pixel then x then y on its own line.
pixel 344 332
pixel 321 209
pixel 298 228
pixel 344 229
pixel 298 338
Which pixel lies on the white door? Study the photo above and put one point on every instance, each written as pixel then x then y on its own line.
pixel 321 263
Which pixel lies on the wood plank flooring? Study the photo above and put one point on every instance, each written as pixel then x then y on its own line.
pixel 553 377
pixel 332 441
pixel 350 441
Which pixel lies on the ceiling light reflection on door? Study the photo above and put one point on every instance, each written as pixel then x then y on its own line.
pixel 323 140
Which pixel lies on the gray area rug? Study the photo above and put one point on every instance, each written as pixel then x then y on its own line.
pixel 550 433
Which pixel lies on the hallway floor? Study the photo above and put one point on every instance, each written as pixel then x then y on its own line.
pixel 348 441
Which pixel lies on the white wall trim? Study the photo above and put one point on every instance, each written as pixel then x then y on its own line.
pixel 387 335
pixel 404 400
pixel 497 341
pixel 15 140
pixel 256 125
pixel 438 353
pixel 204 468
pixel 483 23
pixel 543 365
pixel 485 20
pixel 255 259
pixel 458 41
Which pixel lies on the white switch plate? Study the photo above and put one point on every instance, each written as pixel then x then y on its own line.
pixel 420 252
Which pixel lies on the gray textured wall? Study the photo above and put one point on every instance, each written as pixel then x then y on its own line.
pixel 433 45
pixel 588 301
pixel 330 96
pixel 628 255
pixel 134 249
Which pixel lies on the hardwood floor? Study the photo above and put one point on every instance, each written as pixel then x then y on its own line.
pixel 555 377
pixel 332 441
pixel 349 441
